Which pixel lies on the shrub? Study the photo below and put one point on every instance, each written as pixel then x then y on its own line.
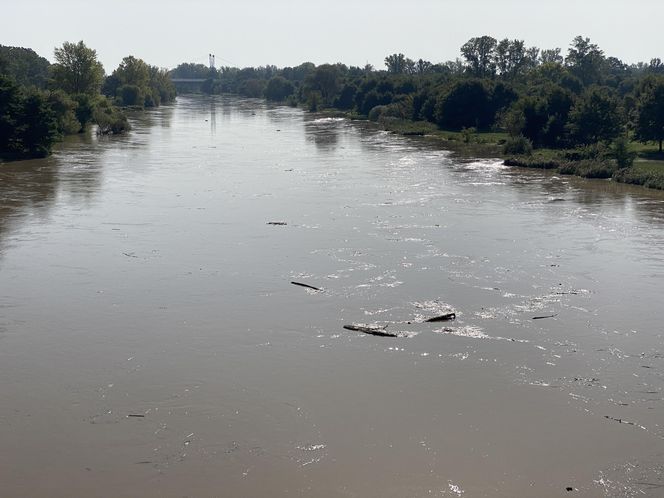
pixel 590 168
pixel 468 134
pixel 110 120
pixel 131 95
pixel 518 145
pixel 622 154
pixel 376 112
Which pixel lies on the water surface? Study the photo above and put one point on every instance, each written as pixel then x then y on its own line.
pixel 151 343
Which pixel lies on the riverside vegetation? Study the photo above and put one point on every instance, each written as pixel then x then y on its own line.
pixel 582 113
pixel 40 103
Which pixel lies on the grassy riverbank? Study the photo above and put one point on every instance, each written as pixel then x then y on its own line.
pixel 647 169
pixel 644 171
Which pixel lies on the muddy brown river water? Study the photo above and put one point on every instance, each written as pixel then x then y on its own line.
pixel 151 343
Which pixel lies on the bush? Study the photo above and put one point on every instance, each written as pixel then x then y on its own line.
pixel 532 162
pixel 376 112
pixel 278 89
pixel 590 168
pixel 636 176
pixel 594 152
pixel 131 95
pixel 468 134
pixel 391 111
pixel 518 145
pixel 110 120
pixel 622 154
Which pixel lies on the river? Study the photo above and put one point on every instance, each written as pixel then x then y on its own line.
pixel 152 344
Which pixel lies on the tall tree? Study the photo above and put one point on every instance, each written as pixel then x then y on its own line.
pixel 77 69
pixel 133 71
pixel 650 113
pixel 551 55
pixel 479 54
pixel 596 116
pixel 512 57
pixel 396 63
pixel 325 80
pixel 586 60
pixel 24 66
pixel 423 67
pixel 278 88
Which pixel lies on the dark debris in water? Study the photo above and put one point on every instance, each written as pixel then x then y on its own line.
pixel 442 318
pixel 378 331
pixel 306 286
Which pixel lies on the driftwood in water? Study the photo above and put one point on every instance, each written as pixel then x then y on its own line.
pixel 307 286
pixel 442 318
pixel 381 332
pixel 277 223
pixel 619 420
pixel 543 317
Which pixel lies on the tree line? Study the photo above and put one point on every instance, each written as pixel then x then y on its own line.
pixel 40 102
pixel 542 98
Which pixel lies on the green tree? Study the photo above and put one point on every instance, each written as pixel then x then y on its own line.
pixel 38 126
pixel 131 95
pixel 480 54
pixel 586 60
pixel 423 67
pixel 10 107
pixel 346 98
pixel 324 80
pixel 466 105
pixel 77 69
pixel 650 112
pixel 278 89
pixel 596 116
pixel 161 85
pixel 133 71
pixel 24 66
pixel 551 56
pixel 396 63
pixel 64 108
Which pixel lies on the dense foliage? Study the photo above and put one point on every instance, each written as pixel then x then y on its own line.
pixel 135 83
pixel 24 66
pixel 550 99
pixel 40 103
pixel 28 125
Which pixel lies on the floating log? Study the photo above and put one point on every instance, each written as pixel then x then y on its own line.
pixel 442 318
pixel 379 331
pixel 619 420
pixel 307 286
pixel 277 223
pixel 543 317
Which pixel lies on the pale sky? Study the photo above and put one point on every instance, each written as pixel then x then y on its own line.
pixel 286 33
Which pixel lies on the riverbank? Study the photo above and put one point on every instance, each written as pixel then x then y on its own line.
pixel 647 169
pixel 643 172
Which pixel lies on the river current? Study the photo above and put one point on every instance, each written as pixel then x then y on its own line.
pixel 152 343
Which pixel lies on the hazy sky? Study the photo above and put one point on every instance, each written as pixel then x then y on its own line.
pixel 286 33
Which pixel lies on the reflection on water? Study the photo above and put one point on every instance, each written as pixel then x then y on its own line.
pixel 324 132
pixel 151 339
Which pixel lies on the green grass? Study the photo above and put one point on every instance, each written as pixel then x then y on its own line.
pixel 648 173
pixel 466 144
pixel 648 169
